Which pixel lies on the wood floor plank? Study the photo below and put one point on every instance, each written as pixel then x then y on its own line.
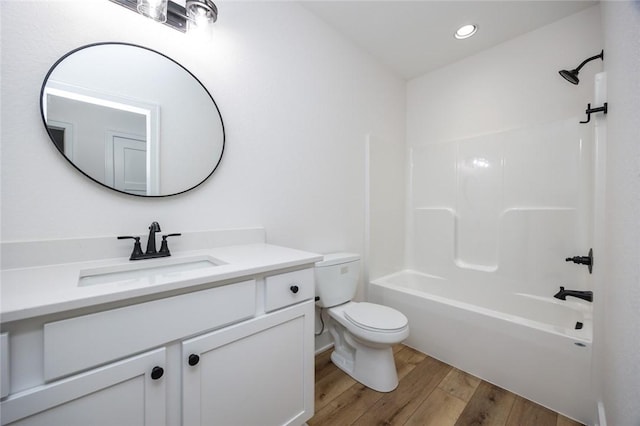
pixel 460 384
pixel 406 360
pixel 396 407
pixel 439 409
pixel 347 407
pixel 356 400
pixel 330 386
pixel 565 421
pixel 429 393
pixel 323 364
pixel 528 413
pixel 489 406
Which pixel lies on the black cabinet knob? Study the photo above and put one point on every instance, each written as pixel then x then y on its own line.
pixel 294 289
pixel 157 372
pixel 193 359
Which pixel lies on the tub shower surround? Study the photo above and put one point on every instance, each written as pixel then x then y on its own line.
pixel 491 221
pixel 515 204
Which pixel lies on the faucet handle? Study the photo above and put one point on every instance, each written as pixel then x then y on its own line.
pixel 583 260
pixel 137 249
pixel 164 247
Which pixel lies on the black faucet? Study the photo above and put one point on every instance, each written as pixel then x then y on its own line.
pixel 151 252
pixel 151 242
pixel 584 295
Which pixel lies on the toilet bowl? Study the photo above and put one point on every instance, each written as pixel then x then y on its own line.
pixel 362 348
pixel 363 333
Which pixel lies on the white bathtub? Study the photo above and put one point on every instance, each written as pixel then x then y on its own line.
pixel 524 343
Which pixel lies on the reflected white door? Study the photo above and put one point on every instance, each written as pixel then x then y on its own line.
pixel 129 166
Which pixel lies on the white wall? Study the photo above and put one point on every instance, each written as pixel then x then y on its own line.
pixel 386 207
pixel 297 102
pixel 620 336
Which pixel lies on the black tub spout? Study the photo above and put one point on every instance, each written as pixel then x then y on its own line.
pixel 584 295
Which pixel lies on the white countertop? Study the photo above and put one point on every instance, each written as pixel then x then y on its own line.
pixel 42 290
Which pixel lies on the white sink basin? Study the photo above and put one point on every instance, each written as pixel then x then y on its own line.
pixel 149 272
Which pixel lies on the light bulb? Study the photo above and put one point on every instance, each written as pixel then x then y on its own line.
pixel 466 31
pixel 154 9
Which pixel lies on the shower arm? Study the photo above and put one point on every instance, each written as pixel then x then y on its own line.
pixel 572 76
pixel 599 55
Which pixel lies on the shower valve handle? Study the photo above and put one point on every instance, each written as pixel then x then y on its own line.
pixel 583 260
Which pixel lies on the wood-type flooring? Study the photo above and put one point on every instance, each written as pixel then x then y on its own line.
pixel 430 392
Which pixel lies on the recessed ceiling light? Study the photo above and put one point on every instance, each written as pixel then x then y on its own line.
pixel 466 31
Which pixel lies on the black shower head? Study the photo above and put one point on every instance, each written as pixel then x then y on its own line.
pixel 572 76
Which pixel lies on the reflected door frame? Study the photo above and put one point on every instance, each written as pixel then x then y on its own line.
pixel 150 111
pixel 113 162
pixel 69 139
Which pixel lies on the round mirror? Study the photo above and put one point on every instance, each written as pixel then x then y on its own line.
pixel 132 119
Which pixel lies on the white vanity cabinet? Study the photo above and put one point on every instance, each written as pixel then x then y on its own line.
pixel 255 373
pixel 234 354
pixel 129 392
pixel 258 372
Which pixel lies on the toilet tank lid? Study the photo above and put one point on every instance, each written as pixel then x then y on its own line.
pixel 337 259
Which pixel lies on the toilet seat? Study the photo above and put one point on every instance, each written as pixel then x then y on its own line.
pixel 370 330
pixel 375 318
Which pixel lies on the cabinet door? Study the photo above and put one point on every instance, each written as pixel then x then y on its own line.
pixel 122 393
pixel 4 365
pixel 259 372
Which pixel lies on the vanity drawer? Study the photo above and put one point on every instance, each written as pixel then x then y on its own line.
pixel 289 288
pixel 79 343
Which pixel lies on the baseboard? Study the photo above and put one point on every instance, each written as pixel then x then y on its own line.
pixel 323 348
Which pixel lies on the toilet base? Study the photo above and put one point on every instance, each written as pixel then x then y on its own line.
pixel 373 367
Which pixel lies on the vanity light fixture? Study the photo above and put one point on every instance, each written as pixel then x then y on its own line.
pixel 465 31
pixel 195 13
pixel 201 13
pixel 154 9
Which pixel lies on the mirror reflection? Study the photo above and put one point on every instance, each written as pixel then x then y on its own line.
pixel 132 119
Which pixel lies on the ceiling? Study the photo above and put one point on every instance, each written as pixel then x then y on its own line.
pixel 415 37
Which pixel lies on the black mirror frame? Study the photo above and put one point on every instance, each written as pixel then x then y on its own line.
pixel 44 121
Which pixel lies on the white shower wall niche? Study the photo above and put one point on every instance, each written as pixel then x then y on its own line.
pixel 513 204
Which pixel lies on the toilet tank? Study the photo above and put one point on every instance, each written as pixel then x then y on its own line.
pixel 337 278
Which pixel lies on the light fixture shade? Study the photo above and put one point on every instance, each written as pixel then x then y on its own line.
pixel 201 13
pixel 154 9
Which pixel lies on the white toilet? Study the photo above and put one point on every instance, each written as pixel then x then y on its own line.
pixel 363 333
